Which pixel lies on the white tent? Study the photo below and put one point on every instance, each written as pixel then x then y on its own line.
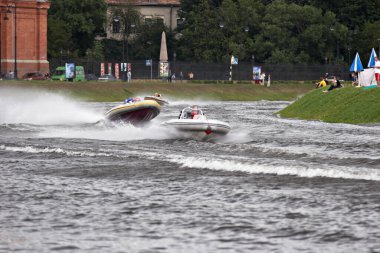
pixel 367 77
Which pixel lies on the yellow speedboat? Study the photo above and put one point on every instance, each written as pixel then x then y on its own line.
pixel 136 112
pixel 158 98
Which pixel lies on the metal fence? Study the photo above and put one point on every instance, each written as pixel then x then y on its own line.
pixel 215 71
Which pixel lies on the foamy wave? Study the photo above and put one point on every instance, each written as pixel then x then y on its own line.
pixel 121 132
pixel 42 108
pixel 233 166
pixel 317 151
pixel 36 150
pixel 121 154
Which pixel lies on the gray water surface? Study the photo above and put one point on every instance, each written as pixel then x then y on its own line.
pixel 71 183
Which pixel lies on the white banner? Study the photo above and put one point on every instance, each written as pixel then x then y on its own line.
pixel 367 77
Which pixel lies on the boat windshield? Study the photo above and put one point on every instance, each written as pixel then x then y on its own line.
pixel 191 113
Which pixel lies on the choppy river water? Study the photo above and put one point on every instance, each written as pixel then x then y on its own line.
pixel 70 183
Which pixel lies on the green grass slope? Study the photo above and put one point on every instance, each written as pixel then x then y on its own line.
pixel 345 105
pixel 118 91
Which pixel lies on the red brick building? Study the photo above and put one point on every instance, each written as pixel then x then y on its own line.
pixel 23 40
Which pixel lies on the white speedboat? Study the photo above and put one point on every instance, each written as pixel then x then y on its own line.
pixel 192 123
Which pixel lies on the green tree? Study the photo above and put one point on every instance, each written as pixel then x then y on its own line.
pixel 213 30
pixel 58 34
pixel 351 13
pixel 148 40
pixel 301 32
pixel 355 15
pixel 199 40
pixel 367 38
pixel 127 18
pixel 79 20
pixel 97 52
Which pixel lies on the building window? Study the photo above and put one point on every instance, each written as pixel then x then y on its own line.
pixel 179 22
pixel 115 26
pixel 156 20
pixel 148 19
pixel 160 20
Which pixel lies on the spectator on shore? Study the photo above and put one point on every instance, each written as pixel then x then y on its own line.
pixel 173 78
pixel 377 70
pixel 326 78
pixel 11 74
pixel 335 85
pixel 181 76
pixel 191 75
pixel 354 79
pixel 322 83
pixel 169 76
pixel 262 79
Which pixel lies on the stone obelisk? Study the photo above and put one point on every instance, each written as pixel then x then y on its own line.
pixel 164 64
pixel 164 49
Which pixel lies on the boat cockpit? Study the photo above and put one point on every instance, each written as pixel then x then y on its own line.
pixel 191 113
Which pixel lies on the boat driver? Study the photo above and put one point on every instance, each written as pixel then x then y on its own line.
pixel 194 112
pixel 128 100
pixel 132 100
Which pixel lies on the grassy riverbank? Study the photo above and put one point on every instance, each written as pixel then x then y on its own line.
pixel 346 105
pixel 118 91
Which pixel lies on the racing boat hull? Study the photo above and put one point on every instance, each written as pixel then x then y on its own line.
pixel 137 113
pixel 199 129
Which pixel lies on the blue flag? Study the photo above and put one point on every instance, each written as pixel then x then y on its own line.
pixel 371 62
pixel 356 65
